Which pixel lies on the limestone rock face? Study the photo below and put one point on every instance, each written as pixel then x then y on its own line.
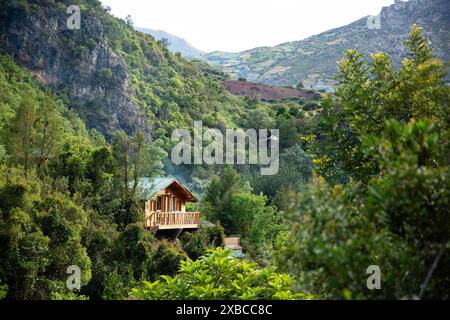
pixel 79 63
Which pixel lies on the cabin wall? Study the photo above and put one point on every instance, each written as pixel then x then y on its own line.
pixel 170 201
pixel 166 210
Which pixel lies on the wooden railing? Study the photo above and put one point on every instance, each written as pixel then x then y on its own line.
pixel 172 220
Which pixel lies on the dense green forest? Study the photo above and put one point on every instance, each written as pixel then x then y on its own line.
pixel 363 180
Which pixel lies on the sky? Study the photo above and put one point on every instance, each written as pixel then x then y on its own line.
pixel 238 25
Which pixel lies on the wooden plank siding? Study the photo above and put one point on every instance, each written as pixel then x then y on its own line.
pixel 171 213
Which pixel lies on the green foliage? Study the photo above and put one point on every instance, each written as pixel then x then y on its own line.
pixel 257 223
pixel 34 124
pixel 290 120
pixel 317 97
pixel 40 237
pixel 60 292
pixel 333 241
pixel 132 248
pixel 63 201
pixel 389 131
pixel 197 243
pixel 218 275
pixel 3 154
pixel 67 296
pixel 135 158
pixel 3 291
pixel 165 260
pixel 294 172
pixel 413 195
pixel 217 200
pixel 258 118
pixel 371 92
pixel 400 224
pixel 116 288
pixel 68 197
pixel 419 47
pixel 415 167
pixel 104 76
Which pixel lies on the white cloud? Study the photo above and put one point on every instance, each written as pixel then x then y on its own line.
pixel 237 25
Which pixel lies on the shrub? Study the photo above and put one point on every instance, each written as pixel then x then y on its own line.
pixel 197 243
pixel 219 275
pixel 165 260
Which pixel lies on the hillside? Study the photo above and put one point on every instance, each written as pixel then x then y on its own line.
pixel 354 195
pixel 264 92
pixel 113 76
pixel 313 60
pixel 176 44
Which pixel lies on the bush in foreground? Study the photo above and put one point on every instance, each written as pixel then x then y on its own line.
pixel 218 275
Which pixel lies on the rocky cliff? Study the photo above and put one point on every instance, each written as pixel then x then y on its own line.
pixel 74 62
pixel 114 76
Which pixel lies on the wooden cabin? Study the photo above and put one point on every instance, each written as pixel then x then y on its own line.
pixel 164 202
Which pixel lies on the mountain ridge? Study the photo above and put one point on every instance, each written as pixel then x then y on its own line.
pixel 313 59
pixel 113 76
pixel 176 44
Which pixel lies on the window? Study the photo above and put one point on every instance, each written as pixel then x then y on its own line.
pixel 173 204
pixel 159 203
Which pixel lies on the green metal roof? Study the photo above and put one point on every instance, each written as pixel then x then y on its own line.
pixel 148 187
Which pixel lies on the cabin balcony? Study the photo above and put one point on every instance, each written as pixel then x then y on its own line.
pixel 172 220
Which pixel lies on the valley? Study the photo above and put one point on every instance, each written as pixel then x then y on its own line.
pixel 134 166
pixel 313 60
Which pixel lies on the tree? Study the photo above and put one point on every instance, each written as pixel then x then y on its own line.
pixel 196 243
pixel 419 47
pixel 23 133
pixel 96 138
pixel 367 95
pixel 164 42
pixel 39 236
pixel 415 170
pixel 390 134
pixel 295 171
pixel 257 223
pixel 217 200
pixel 3 291
pixel 300 85
pixel 136 158
pixel 121 146
pixel 260 118
pixel 332 241
pixel 165 260
pixel 62 221
pixel 137 155
pixel 400 222
pixel 146 159
pixel 49 130
pixel 132 249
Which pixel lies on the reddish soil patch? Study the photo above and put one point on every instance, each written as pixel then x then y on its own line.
pixel 263 91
